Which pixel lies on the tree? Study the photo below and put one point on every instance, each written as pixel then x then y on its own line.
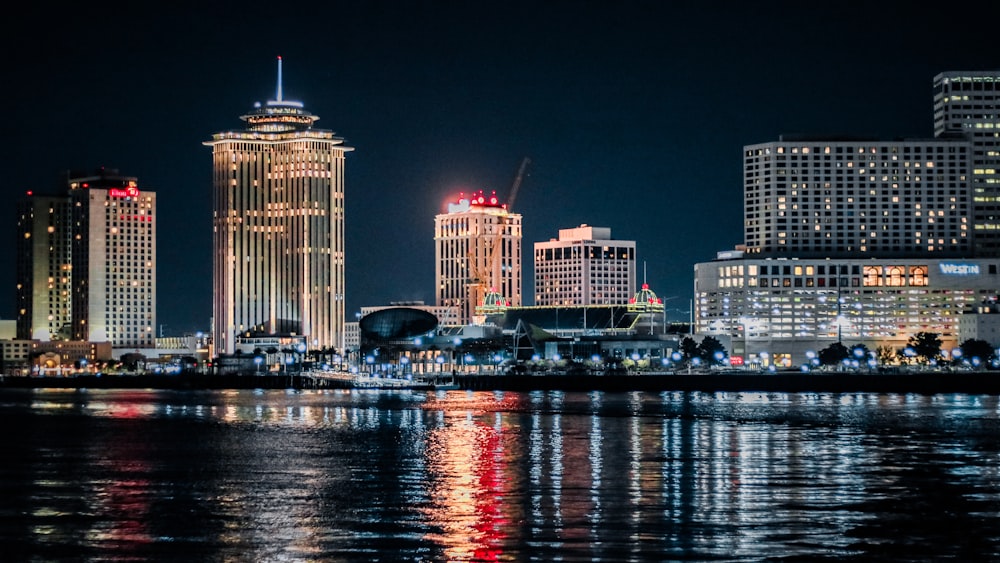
pixel 885 355
pixel 689 348
pixel 974 348
pixel 708 349
pixel 925 345
pixel 833 354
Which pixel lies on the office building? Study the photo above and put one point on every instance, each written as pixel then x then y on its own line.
pixel 477 251
pixel 584 266
pixel 278 240
pixel 967 104
pixel 87 262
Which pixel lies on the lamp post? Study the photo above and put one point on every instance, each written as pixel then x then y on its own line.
pixel 301 348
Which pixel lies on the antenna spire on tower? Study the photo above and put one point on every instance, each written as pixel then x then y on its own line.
pixel 279 79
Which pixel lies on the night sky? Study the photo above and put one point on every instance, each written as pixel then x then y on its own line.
pixel 634 114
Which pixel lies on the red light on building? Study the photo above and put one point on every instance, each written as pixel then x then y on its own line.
pixel 130 191
pixel 736 360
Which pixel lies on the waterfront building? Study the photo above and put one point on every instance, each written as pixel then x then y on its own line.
pixel 87 262
pixel 44 267
pixel 967 103
pixel 584 266
pixel 981 321
pixel 855 198
pixel 446 316
pixel 477 251
pixel 862 241
pixel 278 238
pixel 778 310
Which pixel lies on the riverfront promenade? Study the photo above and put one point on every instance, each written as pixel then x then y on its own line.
pixel 968 382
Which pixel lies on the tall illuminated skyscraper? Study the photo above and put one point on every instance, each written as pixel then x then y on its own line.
pixel 477 247
pixel 87 262
pixel 278 239
pixel 967 103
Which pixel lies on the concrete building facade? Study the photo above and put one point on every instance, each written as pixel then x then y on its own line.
pixel 863 241
pixel 477 251
pixel 584 266
pixel 87 262
pixel 967 104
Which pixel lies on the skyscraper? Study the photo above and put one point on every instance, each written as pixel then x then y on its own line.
pixel 477 251
pixel 584 266
pixel 44 268
pixel 968 104
pixel 87 263
pixel 278 239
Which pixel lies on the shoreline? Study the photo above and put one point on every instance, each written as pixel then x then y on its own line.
pixel 927 383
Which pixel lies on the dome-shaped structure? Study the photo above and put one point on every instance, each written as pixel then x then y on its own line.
pixel 492 303
pixel 397 323
pixel 645 300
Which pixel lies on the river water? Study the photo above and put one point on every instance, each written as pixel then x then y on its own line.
pixel 366 475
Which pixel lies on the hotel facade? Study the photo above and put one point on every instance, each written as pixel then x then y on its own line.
pixel 862 241
pixel 87 263
pixel 278 239
pixel 477 255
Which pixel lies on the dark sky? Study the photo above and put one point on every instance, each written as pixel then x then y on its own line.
pixel 634 114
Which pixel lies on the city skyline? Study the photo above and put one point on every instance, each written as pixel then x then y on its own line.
pixel 634 119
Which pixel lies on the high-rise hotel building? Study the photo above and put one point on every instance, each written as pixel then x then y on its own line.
pixel 584 266
pixel 850 240
pixel 967 104
pixel 278 239
pixel 477 251
pixel 87 262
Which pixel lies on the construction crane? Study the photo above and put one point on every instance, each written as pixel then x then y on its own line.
pixel 486 273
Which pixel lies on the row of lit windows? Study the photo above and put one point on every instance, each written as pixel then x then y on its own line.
pixel 893 149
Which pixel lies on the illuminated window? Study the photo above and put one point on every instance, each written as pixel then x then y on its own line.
pixel 895 277
pixel 918 276
pixel 872 276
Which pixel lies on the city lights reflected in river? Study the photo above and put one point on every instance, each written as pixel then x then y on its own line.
pixel 493 476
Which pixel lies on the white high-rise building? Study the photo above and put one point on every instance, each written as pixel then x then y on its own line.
pixel 88 269
pixel 967 103
pixel 278 241
pixel 584 266
pixel 477 251
pixel 857 198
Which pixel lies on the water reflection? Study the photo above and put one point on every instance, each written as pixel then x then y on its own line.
pixel 490 476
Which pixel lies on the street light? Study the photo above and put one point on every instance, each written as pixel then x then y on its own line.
pixel 258 360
